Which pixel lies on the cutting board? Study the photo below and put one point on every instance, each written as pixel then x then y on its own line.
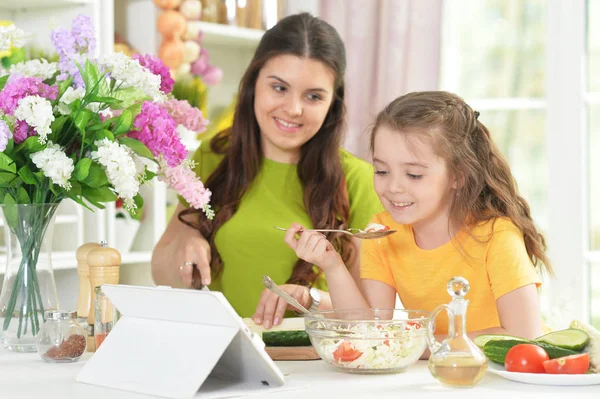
pixel 292 353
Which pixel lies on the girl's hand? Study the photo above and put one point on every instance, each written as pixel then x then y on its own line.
pixel 271 308
pixel 313 247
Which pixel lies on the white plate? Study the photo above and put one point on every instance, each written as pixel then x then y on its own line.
pixel 545 379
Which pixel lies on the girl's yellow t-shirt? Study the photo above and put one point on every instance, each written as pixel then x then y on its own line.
pixel 494 261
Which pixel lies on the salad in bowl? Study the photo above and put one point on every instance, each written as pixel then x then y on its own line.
pixel 368 340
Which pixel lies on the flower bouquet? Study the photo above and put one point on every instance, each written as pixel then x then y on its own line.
pixel 86 128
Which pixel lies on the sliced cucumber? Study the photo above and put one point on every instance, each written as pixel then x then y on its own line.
pixel 571 338
pixel 482 339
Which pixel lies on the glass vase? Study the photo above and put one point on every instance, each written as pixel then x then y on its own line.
pixel 29 288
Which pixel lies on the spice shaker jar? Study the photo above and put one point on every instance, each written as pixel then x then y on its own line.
pixel 105 317
pixel 61 339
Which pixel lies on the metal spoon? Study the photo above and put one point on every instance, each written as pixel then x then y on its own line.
pixel 271 286
pixel 359 234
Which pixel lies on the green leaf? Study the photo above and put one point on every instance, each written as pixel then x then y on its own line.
pixel 10 212
pixel 135 109
pixel 91 76
pixel 3 80
pixel 99 194
pixel 149 175
pixel 139 203
pixel 104 100
pixel 138 147
pixel 16 182
pixel 7 164
pixel 28 176
pixel 57 125
pixel 63 86
pixel 77 198
pixel 96 176
pixel 99 126
pixel 104 134
pixel 123 124
pixel 6 179
pixel 82 118
pixel 30 145
pixel 22 196
pixel 9 147
pixel 82 169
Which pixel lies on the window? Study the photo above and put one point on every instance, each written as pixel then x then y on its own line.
pixel 532 68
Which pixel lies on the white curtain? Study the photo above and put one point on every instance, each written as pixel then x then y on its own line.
pixel 392 48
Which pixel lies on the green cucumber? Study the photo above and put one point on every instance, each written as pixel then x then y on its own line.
pixel 290 332
pixel 482 339
pixel 571 338
pixel 286 338
pixel 496 351
pixel 554 352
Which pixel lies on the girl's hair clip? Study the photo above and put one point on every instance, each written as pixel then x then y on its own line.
pixel 477 114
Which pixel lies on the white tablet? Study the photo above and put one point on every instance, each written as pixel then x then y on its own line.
pixel 169 341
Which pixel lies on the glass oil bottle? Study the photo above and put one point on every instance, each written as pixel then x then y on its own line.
pixel 456 361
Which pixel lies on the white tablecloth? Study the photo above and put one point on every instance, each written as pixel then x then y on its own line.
pixel 27 376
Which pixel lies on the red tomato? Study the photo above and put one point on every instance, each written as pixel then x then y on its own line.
pixel 574 364
pixel 525 358
pixel 346 352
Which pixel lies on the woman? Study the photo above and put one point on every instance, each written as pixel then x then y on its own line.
pixel 280 162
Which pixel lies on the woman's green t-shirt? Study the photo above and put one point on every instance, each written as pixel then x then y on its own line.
pixel 249 245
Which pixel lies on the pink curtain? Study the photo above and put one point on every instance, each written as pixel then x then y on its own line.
pixel 392 48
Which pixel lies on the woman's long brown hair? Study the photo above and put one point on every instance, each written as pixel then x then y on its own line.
pixel 319 168
pixel 488 188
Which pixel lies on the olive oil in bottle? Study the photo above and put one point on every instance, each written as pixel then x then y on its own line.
pixel 457 361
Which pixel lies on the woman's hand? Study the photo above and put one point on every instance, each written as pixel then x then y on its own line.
pixel 181 258
pixel 313 247
pixel 271 308
pixel 193 261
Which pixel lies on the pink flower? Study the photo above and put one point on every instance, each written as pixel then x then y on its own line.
pixel 156 66
pixel 186 115
pixel 158 131
pixel 186 183
pixel 212 75
pixel 19 87
pixel 199 66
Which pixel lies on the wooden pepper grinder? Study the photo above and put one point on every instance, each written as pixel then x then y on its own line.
pixel 83 272
pixel 104 265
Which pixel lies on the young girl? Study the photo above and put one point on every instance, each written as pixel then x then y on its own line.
pixel 280 162
pixel 449 192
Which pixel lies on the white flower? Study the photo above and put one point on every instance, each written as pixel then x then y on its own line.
pixel 130 73
pixel 67 98
pixel 120 169
pixel 12 36
pixel 36 111
pixel 55 164
pixel 35 68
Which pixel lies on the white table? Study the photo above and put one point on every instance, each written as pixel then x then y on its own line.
pixel 27 376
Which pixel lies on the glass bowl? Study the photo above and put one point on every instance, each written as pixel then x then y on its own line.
pixel 368 340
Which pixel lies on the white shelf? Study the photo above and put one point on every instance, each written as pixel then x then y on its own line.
pixel 31 4
pixel 225 35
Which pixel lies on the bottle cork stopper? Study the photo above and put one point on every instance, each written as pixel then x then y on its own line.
pixel 85 291
pixel 104 265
